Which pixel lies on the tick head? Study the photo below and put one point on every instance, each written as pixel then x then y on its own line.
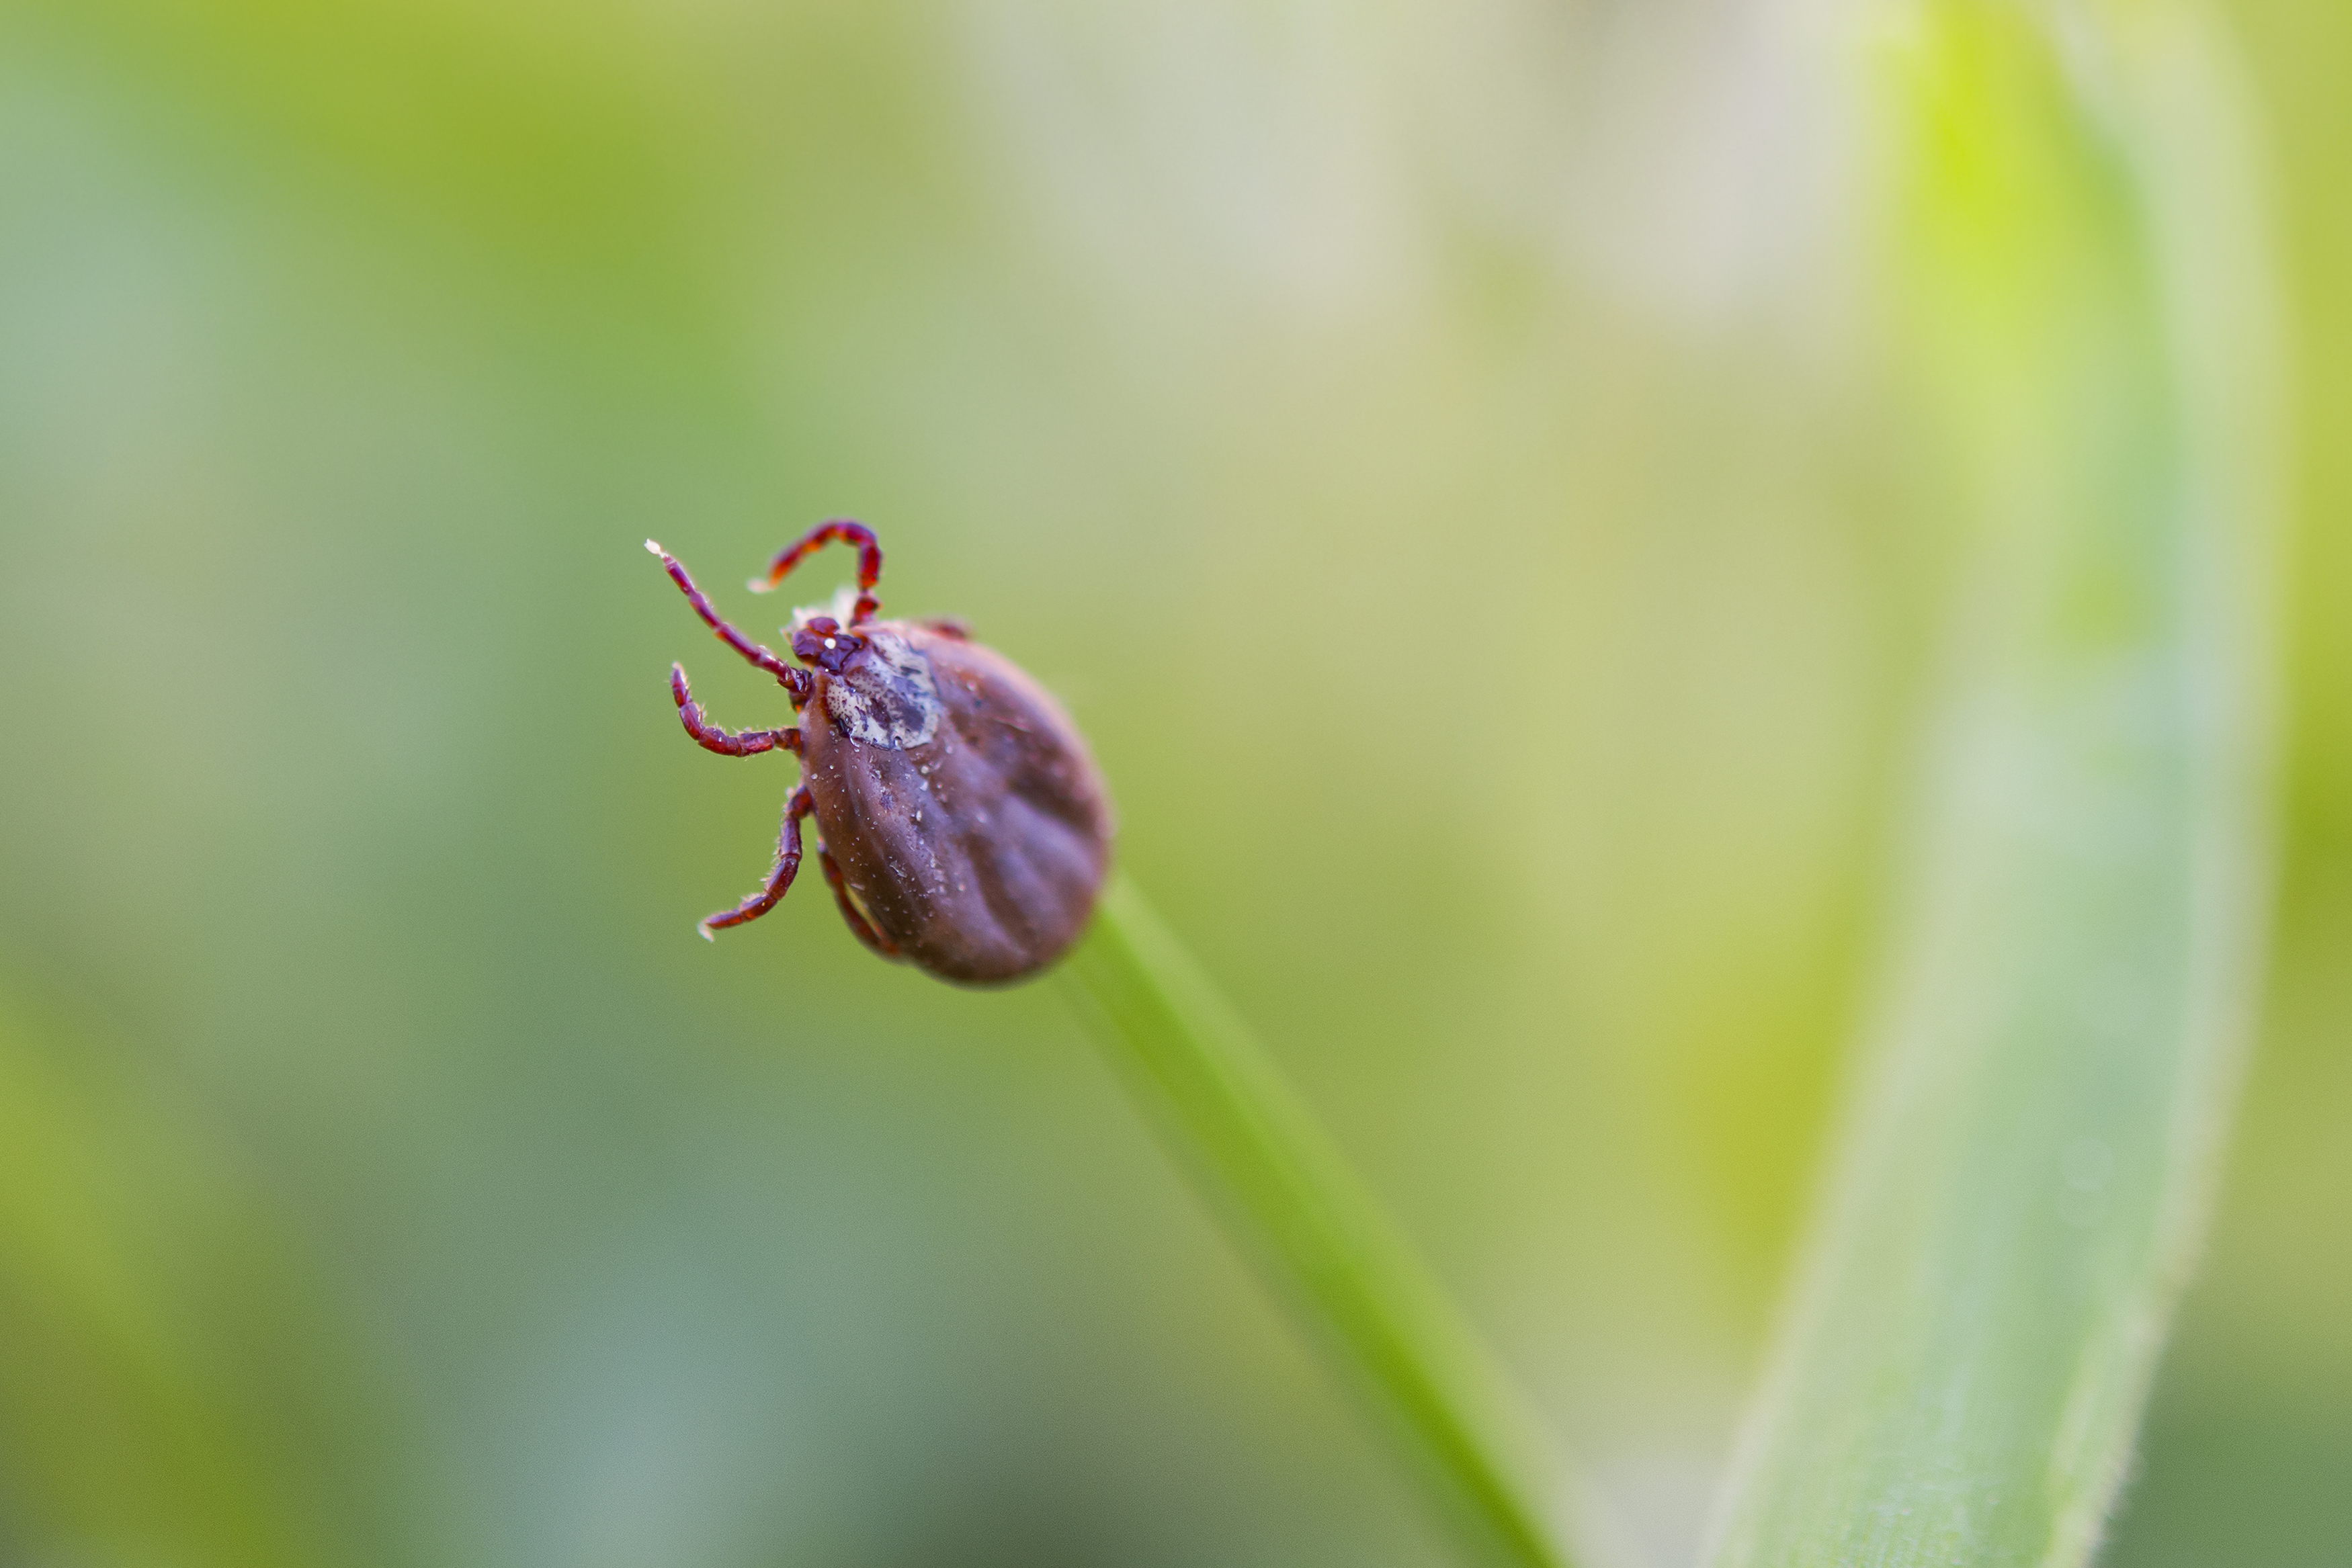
pixel 826 644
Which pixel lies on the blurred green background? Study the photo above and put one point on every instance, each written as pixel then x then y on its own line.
pixel 1441 454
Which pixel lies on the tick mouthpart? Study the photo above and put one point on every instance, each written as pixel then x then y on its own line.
pixel 824 642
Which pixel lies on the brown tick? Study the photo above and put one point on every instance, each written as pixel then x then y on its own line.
pixel 963 825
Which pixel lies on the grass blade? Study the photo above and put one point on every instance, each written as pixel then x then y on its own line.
pixel 2027 1154
pixel 1258 1157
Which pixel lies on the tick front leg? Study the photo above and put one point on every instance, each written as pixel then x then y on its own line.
pixel 798 804
pixel 791 677
pixel 726 742
pixel 859 926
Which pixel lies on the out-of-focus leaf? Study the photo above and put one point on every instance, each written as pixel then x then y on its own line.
pixel 2028 1149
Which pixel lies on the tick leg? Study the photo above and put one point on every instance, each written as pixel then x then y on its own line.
pixel 791 677
pixel 797 805
pixel 858 925
pixel 870 562
pixel 726 742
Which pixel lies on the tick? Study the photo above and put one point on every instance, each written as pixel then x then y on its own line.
pixel 961 822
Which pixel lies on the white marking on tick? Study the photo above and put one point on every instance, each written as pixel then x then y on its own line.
pixel 888 700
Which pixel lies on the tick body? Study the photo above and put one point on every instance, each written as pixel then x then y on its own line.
pixel 963 825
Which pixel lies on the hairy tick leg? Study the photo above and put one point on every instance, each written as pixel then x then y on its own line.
pixel 725 742
pixel 798 804
pixel 859 926
pixel 791 677
pixel 845 531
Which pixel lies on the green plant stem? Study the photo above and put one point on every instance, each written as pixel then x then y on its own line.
pixel 1266 1167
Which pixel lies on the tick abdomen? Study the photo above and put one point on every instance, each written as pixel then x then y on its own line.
pixel 960 802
